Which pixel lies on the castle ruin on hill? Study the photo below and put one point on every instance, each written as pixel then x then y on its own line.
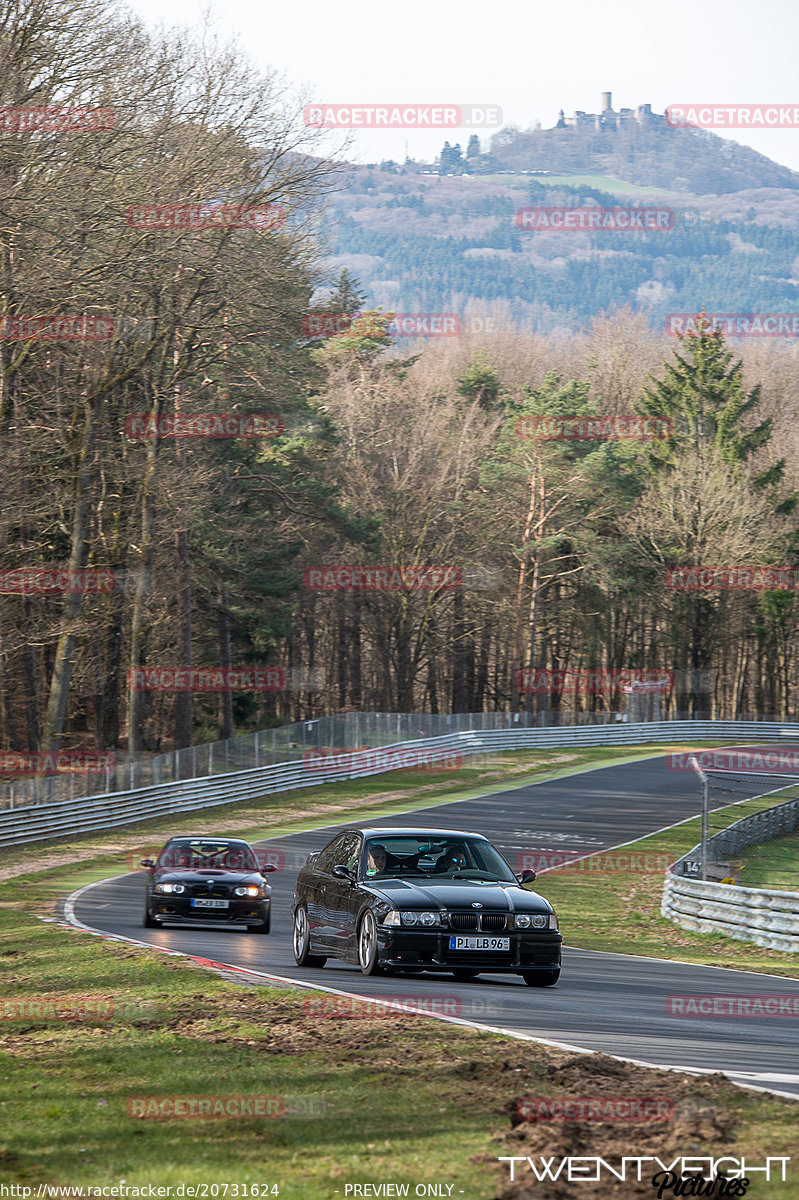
pixel 607 119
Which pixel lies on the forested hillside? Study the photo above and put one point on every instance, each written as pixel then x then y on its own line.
pixel 530 553
pixel 424 242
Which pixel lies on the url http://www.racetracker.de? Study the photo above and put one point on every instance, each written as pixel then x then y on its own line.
pixel 125 1191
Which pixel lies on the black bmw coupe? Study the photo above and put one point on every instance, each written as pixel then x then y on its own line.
pixel 208 879
pixel 422 900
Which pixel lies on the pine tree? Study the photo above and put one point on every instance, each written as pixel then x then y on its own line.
pixel 702 395
pixel 347 297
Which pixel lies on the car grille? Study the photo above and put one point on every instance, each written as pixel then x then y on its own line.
pixel 492 921
pixel 219 891
pixel 463 920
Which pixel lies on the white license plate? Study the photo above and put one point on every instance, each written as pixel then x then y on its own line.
pixel 479 943
pixel 200 902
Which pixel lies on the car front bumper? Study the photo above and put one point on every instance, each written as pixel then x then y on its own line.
pixel 178 910
pixel 416 949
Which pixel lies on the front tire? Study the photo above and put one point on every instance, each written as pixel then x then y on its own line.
pixel 301 942
pixel 541 978
pixel 147 920
pixel 367 944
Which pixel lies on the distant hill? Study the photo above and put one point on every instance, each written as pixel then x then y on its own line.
pixel 652 155
pixel 420 240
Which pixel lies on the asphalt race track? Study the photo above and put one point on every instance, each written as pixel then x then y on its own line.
pixel 607 1002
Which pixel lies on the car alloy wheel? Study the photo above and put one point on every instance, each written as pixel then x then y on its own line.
pixel 301 941
pixel 367 944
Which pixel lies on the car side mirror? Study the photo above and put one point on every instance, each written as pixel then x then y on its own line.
pixel 267 867
pixel 343 872
pixel 147 862
pixel 526 877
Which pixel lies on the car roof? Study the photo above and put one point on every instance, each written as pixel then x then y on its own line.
pixel 416 830
pixel 206 837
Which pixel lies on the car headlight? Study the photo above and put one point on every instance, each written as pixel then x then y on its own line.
pixel 251 890
pixel 553 920
pixel 521 921
pixel 170 888
pixel 420 918
pixel 391 918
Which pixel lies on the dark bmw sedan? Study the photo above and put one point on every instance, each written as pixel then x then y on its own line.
pixel 423 900
pixel 210 880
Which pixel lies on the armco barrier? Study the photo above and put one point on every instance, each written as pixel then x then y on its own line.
pixel 767 918
pixel 40 822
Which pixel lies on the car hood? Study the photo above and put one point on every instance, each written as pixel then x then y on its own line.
pixel 459 893
pixel 229 877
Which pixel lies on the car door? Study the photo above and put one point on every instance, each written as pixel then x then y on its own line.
pixel 313 892
pixel 343 899
pixel 326 895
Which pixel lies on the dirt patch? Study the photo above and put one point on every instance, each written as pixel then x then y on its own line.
pixel 699 1123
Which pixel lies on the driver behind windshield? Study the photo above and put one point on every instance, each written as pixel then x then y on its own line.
pixel 378 859
pixel 382 862
pixel 453 859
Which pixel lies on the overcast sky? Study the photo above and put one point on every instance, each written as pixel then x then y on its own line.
pixel 530 57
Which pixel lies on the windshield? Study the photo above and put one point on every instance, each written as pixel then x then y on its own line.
pixel 438 857
pixel 197 854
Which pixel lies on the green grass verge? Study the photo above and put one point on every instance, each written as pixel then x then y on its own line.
pixel 603 908
pixel 772 864
pixel 365 1099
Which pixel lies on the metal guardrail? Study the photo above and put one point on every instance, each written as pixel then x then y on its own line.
pixel 42 822
pixel 267 747
pixel 766 917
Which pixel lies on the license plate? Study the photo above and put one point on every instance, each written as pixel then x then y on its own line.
pixel 200 902
pixel 479 943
